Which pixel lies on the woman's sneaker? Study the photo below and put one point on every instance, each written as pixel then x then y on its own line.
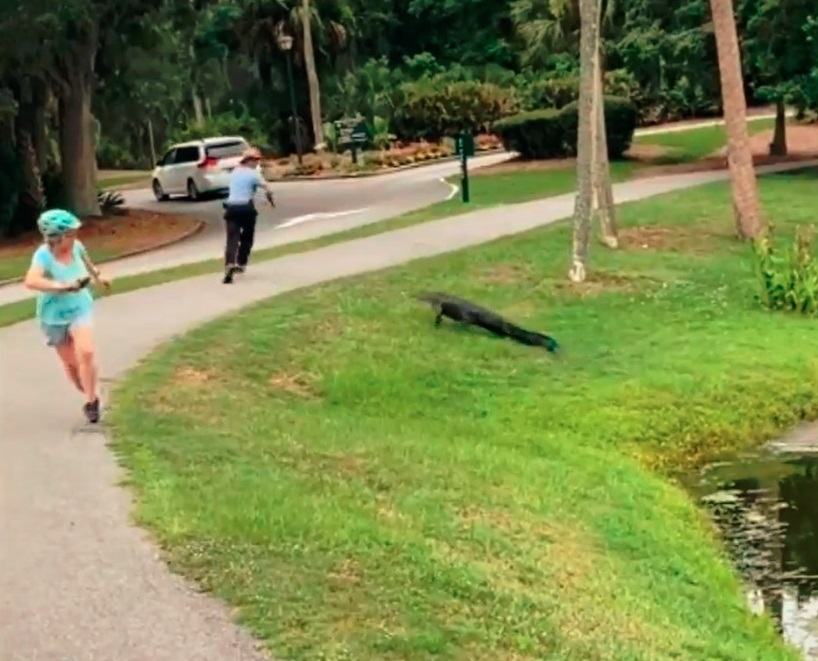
pixel 91 410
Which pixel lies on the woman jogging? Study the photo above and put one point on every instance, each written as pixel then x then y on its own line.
pixel 60 272
pixel 240 213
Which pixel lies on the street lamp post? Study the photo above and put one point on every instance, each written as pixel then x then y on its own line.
pixel 285 45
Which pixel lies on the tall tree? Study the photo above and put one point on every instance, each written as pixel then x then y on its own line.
pixel 313 84
pixel 603 190
pixel 583 207
pixel 746 203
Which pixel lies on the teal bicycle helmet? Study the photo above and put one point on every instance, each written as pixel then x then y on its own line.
pixel 56 222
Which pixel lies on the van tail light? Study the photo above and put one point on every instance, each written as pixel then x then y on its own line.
pixel 208 162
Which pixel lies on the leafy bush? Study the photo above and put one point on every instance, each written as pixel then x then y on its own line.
pixel 112 156
pixel 243 125
pixel 620 124
pixel 535 134
pixel 550 92
pixel 431 110
pixel 790 282
pixel 111 203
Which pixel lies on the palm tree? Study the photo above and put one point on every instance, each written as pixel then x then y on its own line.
pixel 326 24
pixel 312 76
pixel 583 208
pixel 746 204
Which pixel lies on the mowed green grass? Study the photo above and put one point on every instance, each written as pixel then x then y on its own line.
pixel 487 191
pixel 361 485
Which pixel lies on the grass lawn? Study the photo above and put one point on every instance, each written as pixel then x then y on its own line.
pixel 361 485
pixel 486 191
pixel 696 144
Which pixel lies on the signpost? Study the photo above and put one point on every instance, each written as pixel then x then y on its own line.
pixel 353 134
pixel 464 147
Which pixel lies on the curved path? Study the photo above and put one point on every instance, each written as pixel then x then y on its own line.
pixel 77 581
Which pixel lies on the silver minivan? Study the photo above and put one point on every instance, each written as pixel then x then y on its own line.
pixel 198 167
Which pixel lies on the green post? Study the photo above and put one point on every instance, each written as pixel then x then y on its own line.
pixel 463 147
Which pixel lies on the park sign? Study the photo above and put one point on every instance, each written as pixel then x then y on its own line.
pixel 352 132
pixel 464 144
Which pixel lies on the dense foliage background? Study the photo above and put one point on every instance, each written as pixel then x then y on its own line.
pixel 160 70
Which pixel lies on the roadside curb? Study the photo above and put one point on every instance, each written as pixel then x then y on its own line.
pixel 387 171
pixel 198 227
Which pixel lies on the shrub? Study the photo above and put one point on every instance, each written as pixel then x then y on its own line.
pixel 243 125
pixel 620 123
pixel 535 134
pixel 550 92
pixel 790 282
pixel 431 110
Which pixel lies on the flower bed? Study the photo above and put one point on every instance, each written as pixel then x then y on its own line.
pixel 397 155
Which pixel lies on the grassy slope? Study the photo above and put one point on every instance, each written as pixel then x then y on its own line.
pixel 364 486
pixel 486 191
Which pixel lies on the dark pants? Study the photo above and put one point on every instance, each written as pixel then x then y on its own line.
pixel 240 226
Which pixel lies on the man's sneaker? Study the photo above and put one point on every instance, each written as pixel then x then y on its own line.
pixel 228 275
pixel 91 410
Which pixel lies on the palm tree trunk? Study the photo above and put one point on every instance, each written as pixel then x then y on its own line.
pixel 312 77
pixel 583 208
pixel 603 191
pixel 746 204
pixel 778 147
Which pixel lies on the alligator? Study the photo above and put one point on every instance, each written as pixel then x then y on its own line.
pixel 471 314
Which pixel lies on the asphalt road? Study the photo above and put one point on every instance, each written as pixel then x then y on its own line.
pixel 310 201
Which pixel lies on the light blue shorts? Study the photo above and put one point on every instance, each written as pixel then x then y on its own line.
pixel 56 334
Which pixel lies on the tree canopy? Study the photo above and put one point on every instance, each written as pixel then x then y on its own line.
pixel 108 84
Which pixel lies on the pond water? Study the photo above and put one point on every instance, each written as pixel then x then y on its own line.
pixel 766 507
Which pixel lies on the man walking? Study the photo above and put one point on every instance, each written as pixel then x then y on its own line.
pixel 240 213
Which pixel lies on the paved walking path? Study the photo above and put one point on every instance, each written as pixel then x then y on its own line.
pixel 77 581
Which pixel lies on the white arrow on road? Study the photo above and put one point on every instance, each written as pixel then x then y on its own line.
pixel 318 216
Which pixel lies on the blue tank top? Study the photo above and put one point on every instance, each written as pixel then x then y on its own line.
pixel 59 308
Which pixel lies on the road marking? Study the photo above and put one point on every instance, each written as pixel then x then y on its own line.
pixel 454 189
pixel 318 216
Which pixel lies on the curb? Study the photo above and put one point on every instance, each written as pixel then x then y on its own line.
pixel 387 171
pixel 200 225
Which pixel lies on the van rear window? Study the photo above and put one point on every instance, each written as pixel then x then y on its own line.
pixel 226 149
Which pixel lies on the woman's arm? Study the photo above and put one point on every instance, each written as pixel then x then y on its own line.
pixel 93 271
pixel 36 280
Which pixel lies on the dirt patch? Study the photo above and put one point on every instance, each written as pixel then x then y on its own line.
pixel 505 274
pixel 299 384
pixel 802 143
pixel 648 152
pixel 523 165
pixel 599 282
pixel 186 376
pixel 113 236
pixel 802 140
pixel 667 239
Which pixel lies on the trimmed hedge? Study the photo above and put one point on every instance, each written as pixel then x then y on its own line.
pixel 620 123
pixel 431 109
pixel 538 134
pixel 541 134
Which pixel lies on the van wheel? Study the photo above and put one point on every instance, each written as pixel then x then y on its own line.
pixel 160 194
pixel 192 191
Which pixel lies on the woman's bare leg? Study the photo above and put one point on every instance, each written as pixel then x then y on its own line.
pixel 83 339
pixel 68 357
